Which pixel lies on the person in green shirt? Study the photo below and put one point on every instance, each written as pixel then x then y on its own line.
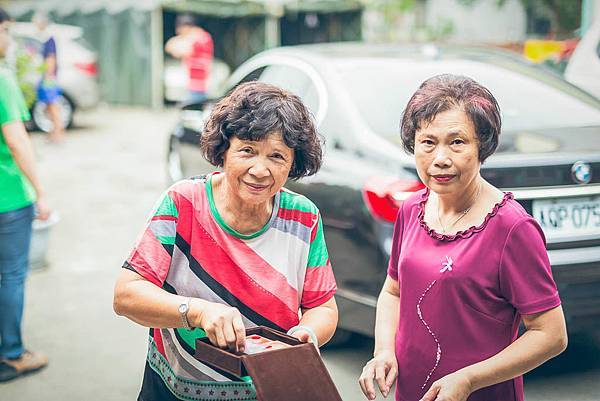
pixel 20 193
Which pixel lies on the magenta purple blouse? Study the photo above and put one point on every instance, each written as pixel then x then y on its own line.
pixel 462 296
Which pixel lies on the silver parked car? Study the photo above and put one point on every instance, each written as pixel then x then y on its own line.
pixel 77 69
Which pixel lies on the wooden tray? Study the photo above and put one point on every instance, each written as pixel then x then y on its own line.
pixel 291 374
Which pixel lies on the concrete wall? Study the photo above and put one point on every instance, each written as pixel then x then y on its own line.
pixel 482 22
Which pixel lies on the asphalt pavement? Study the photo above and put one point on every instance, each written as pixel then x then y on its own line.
pixel 102 182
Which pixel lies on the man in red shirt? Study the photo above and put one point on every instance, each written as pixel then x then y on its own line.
pixel 194 46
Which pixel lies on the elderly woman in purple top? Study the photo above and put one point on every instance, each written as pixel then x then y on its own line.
pixel 468 264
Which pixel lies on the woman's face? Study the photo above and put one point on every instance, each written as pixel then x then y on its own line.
pixel 255 171
pixel 447 152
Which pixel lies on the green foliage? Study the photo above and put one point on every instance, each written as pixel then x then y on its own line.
pixel 393 9
pixel 390 7
pixel 470 3
pixel 558 66
pixel 566 13
pixel 27 74
pixel 441 31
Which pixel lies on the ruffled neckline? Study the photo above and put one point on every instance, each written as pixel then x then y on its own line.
pixel 460 234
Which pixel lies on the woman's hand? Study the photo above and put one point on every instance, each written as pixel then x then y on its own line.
pixel 303 336
pixel 383 368
pixel 42 209
pixel 223 325
pixel 306 337
pixel 453 387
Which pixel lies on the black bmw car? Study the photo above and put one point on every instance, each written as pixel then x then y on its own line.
pixel 549 157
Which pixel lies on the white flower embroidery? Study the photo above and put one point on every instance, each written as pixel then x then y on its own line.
pixel 447 265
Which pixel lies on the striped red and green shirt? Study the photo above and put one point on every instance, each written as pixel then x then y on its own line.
pixel 187 249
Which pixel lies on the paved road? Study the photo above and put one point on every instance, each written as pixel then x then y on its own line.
pixel 103 181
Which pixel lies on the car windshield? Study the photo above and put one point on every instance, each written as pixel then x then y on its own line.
pixel 381 88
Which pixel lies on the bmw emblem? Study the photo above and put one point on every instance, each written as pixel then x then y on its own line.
pixel 581 172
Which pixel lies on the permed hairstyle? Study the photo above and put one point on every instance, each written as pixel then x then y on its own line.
pixel 255 110
pixel 444 92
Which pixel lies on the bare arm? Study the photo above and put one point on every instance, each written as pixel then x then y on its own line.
pixel 546 337
pixel 178 47
pixel 386 321
pixel 21 149
pixel 383 367
pixel 50 66
pixel 143 302
pixel 321 319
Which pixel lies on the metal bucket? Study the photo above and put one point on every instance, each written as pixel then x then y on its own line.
pixel 39 241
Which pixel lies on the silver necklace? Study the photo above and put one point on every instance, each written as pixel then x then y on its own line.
pixel 462 214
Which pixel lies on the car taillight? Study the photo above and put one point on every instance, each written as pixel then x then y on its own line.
pixel 88 68
pixel 384 195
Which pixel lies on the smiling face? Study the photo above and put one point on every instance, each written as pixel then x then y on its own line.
pixel 446 153
pixel 256 170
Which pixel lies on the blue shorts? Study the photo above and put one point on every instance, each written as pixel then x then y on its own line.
pixel 48 92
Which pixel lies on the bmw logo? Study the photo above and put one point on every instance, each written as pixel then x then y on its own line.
pixel 581 172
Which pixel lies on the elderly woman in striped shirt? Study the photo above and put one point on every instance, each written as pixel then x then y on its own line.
pixel 232 250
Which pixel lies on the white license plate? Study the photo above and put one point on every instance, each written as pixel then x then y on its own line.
pixel 569 217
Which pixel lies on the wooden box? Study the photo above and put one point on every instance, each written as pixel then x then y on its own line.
pixel 296 373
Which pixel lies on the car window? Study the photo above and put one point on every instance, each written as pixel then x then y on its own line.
pixel 381 88
pixel 294 80
pixel 253 76
pixel 28 44
pixel 311 98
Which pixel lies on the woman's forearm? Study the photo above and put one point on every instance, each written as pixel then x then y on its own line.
pixel 178 47
pixel 322 320
pixel 51 66
pixel 533 348
pixel 383 368
pixel 21 149
pixel 386 321
pixel 151 306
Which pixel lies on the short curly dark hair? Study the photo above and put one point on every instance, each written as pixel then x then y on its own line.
pixel 444 92
pixel 253 111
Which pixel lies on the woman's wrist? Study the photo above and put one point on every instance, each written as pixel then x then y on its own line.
pixel 384 349
pixel 311 333
pixel 382 352
pixel 196 311
pixel 470 376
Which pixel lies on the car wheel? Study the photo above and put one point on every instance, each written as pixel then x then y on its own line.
pixel 174 168
pixel 42 121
